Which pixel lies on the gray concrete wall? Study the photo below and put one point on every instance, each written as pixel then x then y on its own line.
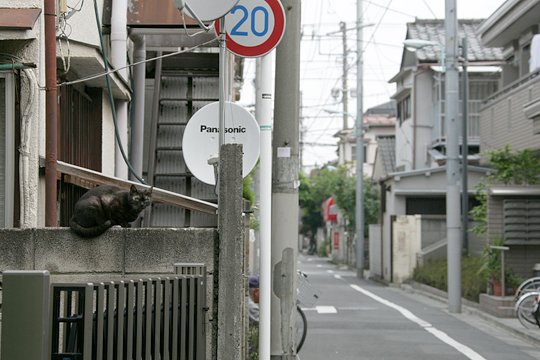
pixel 119 253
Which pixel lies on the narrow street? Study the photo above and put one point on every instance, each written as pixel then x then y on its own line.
pixel 361 319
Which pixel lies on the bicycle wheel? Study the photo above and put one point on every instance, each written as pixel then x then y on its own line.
pixel 301 328
pixel 532 284
pixel 525 309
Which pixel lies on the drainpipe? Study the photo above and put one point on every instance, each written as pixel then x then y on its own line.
pixel 119 60
pixel 137 124
pixel 414 112
pixel 51 113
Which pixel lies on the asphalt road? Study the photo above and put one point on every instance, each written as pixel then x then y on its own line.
pixel 361 319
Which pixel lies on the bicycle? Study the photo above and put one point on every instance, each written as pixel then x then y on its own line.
pixel 307 296
pixel 531 284
pixel 527 299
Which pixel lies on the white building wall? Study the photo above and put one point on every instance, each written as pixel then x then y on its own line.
pixel 83 23
pixel 424 102
pixel 406 244
pixel 375 247
pixel 397 203
pixel 32 104
pixel 404 148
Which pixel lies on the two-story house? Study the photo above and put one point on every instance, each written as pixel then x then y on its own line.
pixel 511 116
pixel 417 183
pixel 85 122
pixel 100 117
pixel 378 121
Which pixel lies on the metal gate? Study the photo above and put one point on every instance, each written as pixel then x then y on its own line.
pixel 161 318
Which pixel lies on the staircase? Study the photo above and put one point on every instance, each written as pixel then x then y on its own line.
pixel 183 84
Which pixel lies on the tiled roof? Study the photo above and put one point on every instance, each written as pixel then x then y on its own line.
pixel 387 108
pixel 433 30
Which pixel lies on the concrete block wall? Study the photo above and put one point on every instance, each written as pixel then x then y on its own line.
pixel 117 254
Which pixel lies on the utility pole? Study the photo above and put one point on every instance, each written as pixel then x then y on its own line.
pixel 359 132
pixel 344 82
pixel 453 233
pixel 465 148
pixel 285 186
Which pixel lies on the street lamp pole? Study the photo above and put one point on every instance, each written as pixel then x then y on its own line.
pixel 453 216
pixel 449 62
pixel 359 218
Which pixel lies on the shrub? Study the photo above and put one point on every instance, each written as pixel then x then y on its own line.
pixel 435 273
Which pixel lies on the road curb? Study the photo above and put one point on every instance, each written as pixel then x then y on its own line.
pixel 532 336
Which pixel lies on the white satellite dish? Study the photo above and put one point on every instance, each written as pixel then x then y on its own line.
pixel 208 10
pixel 201 139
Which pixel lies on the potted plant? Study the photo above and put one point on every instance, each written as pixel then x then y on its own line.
pixel 491 270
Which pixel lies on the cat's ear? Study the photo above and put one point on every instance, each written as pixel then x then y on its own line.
pixel 133 189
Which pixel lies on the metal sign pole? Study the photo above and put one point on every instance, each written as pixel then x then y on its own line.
pixel 264 102
pixel 222 82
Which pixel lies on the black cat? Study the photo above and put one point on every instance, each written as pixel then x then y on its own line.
pixel 105 206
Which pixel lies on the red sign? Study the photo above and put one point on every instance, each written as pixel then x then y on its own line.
pixel 254 27
pixel 330 210
pixel 336 240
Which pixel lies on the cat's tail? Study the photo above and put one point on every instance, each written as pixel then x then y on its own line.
pixel 89 232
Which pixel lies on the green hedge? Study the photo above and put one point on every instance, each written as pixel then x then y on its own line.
pixel 434 274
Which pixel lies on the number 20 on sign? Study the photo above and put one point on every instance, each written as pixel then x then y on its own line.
pixel 254 27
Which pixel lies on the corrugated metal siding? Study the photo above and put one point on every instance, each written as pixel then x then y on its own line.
pixel 80 133
pixel 80 127
pixel 502 120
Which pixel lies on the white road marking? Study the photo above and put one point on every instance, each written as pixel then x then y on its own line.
pixel 330 271
pixel 338 277
pixel 326 309
pixel 464 349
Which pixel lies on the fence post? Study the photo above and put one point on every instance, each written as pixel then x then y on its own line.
pixel 25 315
pixel 231 288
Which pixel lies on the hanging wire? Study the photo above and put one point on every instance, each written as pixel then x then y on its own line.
pixel 108 72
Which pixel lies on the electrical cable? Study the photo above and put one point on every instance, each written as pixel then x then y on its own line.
pixel 111 99
pixel 108 72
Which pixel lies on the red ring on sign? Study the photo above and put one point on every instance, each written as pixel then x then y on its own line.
pixel 269 44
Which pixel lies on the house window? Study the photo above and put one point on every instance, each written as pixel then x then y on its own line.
pixel 404 109
pixel 353 155
pixel 521 220
pixel 7 152
pixel 425 205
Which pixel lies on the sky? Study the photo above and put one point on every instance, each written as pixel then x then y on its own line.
pixel 321 64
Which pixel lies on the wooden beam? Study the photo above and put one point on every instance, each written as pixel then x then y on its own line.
pixel 88 178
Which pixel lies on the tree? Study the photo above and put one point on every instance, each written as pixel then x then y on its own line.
pixel 312 192
pixel 334 182
pixel 509 167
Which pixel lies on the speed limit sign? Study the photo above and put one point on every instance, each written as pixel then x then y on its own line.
pixel 254 27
